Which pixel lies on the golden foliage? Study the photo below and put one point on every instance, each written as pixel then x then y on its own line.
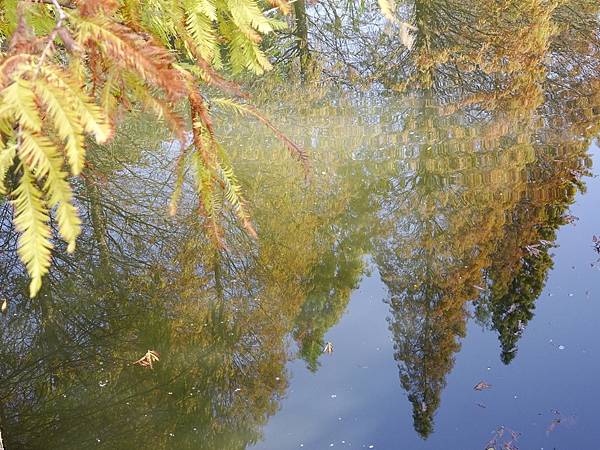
pixel 67 67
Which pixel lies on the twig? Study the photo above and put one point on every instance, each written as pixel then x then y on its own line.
pixel 61 17
pixel 67 5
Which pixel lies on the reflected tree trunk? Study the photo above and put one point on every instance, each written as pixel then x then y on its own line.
pixel 301 33
pixel 98 220
pixel 218 276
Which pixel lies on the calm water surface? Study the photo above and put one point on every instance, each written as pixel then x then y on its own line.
pixel 443 241
pixel 356 399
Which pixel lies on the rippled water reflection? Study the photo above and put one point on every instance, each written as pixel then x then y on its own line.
pixel 444 239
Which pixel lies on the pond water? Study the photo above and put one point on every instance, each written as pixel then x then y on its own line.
pixel 432 285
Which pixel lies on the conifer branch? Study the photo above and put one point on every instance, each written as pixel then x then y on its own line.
pixel 117 54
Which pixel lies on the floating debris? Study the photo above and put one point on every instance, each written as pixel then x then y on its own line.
pixel 4 307
pixel 561 347
pixel 148 359
pixel 596 241
pixel 481 386
pixel 559 420
pixel 533 250
pixel 503 439
pixel 328 348
pixel 568 218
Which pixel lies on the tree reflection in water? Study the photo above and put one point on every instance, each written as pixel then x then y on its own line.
pixel 447 188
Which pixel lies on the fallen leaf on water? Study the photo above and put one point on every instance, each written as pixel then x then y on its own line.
pixel 481 386
pixel 558 420
pixel 504 439
pixel 148 359
pixel 533 249
pixel 596 242
pixel 568 218
pixel 553 425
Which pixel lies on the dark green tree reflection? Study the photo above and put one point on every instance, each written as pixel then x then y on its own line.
pixel 469 223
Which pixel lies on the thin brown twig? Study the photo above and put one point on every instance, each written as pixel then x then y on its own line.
pixel 67 5
pixel 61 17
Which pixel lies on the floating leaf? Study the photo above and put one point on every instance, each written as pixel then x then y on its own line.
pixel 481 386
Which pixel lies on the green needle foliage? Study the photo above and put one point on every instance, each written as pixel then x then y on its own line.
pixel 68 69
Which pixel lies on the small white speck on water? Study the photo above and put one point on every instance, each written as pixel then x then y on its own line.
pixel 371 446
pixel 170 393
pixel 331 445
pixel 489 368
pixel 339 418
pixel 97 439
pixel 171 434
pixel 301 445
pixel 195 429
pixel 333 396
pixel 561 347
pixel 570 295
